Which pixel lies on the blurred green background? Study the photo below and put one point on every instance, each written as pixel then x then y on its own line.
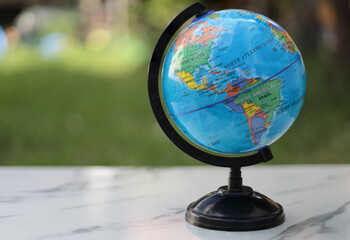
pixel 73 81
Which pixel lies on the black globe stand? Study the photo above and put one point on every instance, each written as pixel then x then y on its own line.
pixel 233 207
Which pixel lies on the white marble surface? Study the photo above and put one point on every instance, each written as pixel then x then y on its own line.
pixel 105 203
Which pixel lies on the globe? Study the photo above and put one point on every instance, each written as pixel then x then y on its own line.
pixel 232 82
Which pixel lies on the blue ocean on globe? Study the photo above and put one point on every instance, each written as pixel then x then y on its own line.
pixel 233 82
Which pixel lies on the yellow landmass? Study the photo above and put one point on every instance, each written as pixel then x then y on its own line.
pixel 261 18
pixel 267 124
pixel 252 81
pixel 250 109
pixel 188 79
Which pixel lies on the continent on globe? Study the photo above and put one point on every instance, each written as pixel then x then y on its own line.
pixel 280 34
pixel 257 102
pixel 188 79
pixel 187 39
pixel 194 56
pixel 195 49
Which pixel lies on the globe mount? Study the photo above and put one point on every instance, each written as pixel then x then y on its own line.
pixel 233 207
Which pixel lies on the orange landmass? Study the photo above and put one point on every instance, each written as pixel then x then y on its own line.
pixel 252 80
pixel 212 88
pixel 249 119
pixel 208 33
pixel 286 36
pixel 184 38
pixel 250 128
pixel 187 38
pixel 261 114
pixel 251 110
pixel 232 91
pixel 288 40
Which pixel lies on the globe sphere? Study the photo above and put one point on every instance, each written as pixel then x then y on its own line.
pixel 232 82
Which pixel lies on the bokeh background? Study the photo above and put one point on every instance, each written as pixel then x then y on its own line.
pixel 73 81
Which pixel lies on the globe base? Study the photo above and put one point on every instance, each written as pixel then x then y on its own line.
pixel 235 208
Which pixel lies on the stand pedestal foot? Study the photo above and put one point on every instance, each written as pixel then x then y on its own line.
pixel 243 210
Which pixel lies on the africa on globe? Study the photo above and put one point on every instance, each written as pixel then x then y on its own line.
pixel 233 82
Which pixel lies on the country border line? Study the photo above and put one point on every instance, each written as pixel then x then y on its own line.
pixel 227 99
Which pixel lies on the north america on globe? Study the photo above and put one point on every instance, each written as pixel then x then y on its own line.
pixel 233 81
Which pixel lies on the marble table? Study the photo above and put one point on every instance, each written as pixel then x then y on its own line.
pixel 105 203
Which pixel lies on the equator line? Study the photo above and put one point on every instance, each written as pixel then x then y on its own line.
pixel 227 99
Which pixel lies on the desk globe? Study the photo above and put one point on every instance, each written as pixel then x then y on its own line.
pixel 232 82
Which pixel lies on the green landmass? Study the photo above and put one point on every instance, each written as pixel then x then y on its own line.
pixel 192 57
pixel 267 96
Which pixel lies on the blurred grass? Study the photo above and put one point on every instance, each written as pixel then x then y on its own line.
pixel 88 108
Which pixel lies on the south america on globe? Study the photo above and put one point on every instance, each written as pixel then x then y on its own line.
pixel 233 82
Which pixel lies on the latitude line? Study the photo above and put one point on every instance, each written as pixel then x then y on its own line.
pixel 227 99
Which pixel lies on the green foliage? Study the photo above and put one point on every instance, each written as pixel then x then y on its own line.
pixel 92 108
pixel 56 113
pixel 62 21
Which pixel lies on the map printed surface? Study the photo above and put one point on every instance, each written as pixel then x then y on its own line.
pixel 233 81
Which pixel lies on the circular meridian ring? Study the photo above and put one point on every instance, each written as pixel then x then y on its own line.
pixel 262 155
